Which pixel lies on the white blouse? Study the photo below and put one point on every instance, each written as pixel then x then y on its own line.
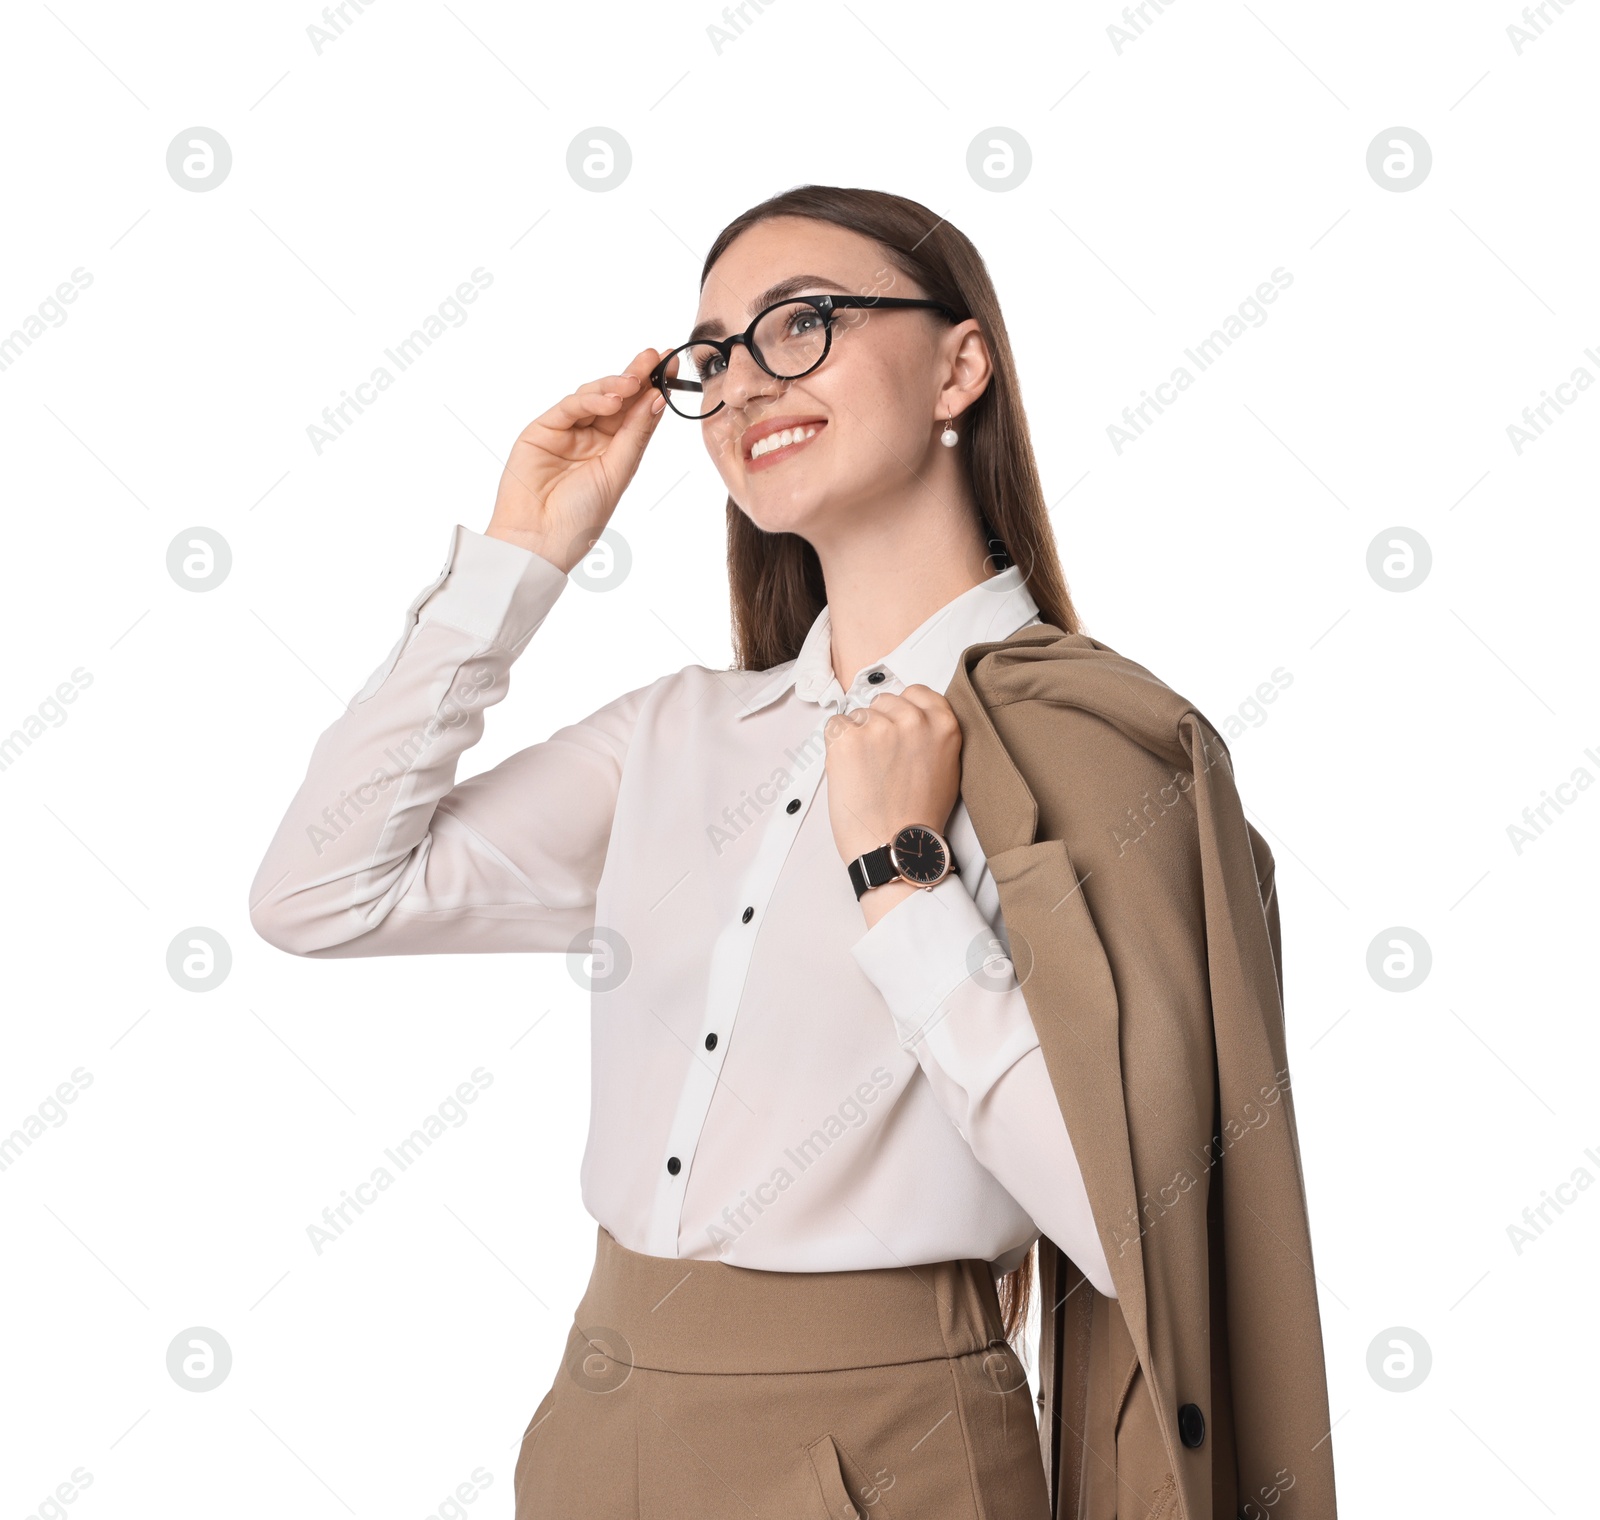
pixel 773 1084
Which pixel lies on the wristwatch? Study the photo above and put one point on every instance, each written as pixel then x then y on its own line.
pixel 916 854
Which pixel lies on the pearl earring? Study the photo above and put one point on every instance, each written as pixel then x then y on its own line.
pixel 949 436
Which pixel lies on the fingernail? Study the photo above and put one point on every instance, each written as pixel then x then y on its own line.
pixel 659 402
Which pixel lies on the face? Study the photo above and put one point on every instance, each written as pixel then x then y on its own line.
pixel 869 416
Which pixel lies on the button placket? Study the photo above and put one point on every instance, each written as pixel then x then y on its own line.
pixel 730 965
pixel 865 688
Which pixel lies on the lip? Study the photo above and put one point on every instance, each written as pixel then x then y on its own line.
pixel 757 431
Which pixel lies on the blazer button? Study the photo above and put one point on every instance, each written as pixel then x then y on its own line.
pixel 748 914
pixel 675 1166
pixel 711 1042
pixel 794 805
pixel 1191 1425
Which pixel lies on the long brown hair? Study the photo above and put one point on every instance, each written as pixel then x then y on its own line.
pixel 775 579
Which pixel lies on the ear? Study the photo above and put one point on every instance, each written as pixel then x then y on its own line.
pixel 969 368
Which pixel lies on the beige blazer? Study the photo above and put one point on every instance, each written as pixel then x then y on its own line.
pixel 1144 931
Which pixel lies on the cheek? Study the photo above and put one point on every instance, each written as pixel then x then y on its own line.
pixel 722 448
pixel 871 393
pixel 880 432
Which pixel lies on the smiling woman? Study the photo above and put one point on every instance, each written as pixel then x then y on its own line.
pixel 791 1296
pixel 851 377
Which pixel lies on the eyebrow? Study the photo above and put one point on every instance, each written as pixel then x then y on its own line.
pixel 773 293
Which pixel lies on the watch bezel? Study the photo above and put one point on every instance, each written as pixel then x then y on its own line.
pixel 900 870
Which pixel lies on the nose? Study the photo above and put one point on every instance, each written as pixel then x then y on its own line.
pixel 744 379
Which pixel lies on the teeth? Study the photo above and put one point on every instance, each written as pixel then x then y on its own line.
pixel 780 440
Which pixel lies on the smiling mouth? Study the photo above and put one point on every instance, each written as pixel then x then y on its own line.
pixel 775 447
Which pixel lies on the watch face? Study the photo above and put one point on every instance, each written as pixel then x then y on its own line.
pixel 919 855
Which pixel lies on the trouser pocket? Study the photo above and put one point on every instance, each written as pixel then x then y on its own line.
pixel 519 1477
pixel 848 1492
pixel 577 1455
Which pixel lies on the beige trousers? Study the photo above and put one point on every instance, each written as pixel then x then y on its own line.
pixel 695 1390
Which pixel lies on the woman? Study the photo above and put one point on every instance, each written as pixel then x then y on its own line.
pixel 823 1139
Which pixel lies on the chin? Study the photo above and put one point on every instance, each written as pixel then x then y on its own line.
pixel 784 513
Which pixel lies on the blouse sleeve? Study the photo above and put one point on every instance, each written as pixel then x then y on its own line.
pixel 380 853
pixel 958 1008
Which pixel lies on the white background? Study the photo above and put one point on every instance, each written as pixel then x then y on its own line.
pixel 1168 179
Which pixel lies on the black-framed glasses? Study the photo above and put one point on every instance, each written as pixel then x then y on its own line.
pixel 788 339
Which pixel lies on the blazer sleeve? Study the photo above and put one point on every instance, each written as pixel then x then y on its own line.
pixel 945 973
pixel 380 853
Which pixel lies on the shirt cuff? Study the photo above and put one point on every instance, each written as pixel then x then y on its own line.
pixel 497 591
pixel 947 978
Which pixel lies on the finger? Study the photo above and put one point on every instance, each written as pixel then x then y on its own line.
pixel 890 707
pixel 633 429
pixel 635 372
pixel 632 383
pixel 925 697
pixel 614 385
pixel 922 704
pixel 604 396
pixel 577 410
pixel 643 362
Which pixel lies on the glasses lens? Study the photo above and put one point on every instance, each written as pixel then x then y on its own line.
pixel 694 381
pixel 791 338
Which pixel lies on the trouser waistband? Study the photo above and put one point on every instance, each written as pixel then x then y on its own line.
pixel 674 1314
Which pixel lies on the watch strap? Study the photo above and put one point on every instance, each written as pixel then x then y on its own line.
pixel 874 869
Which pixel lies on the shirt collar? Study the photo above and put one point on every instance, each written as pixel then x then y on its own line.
pixel 993 609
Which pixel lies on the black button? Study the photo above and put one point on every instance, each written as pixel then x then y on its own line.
pixel 1191 1425
pixel 675 1166
pixel 711 1042
pixel 877 677
pixel 794 805
pixel 749 913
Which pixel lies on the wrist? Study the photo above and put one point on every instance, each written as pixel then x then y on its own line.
pixel 534 543
pixel 917 856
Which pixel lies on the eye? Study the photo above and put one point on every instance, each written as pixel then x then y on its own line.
pixel 704 361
